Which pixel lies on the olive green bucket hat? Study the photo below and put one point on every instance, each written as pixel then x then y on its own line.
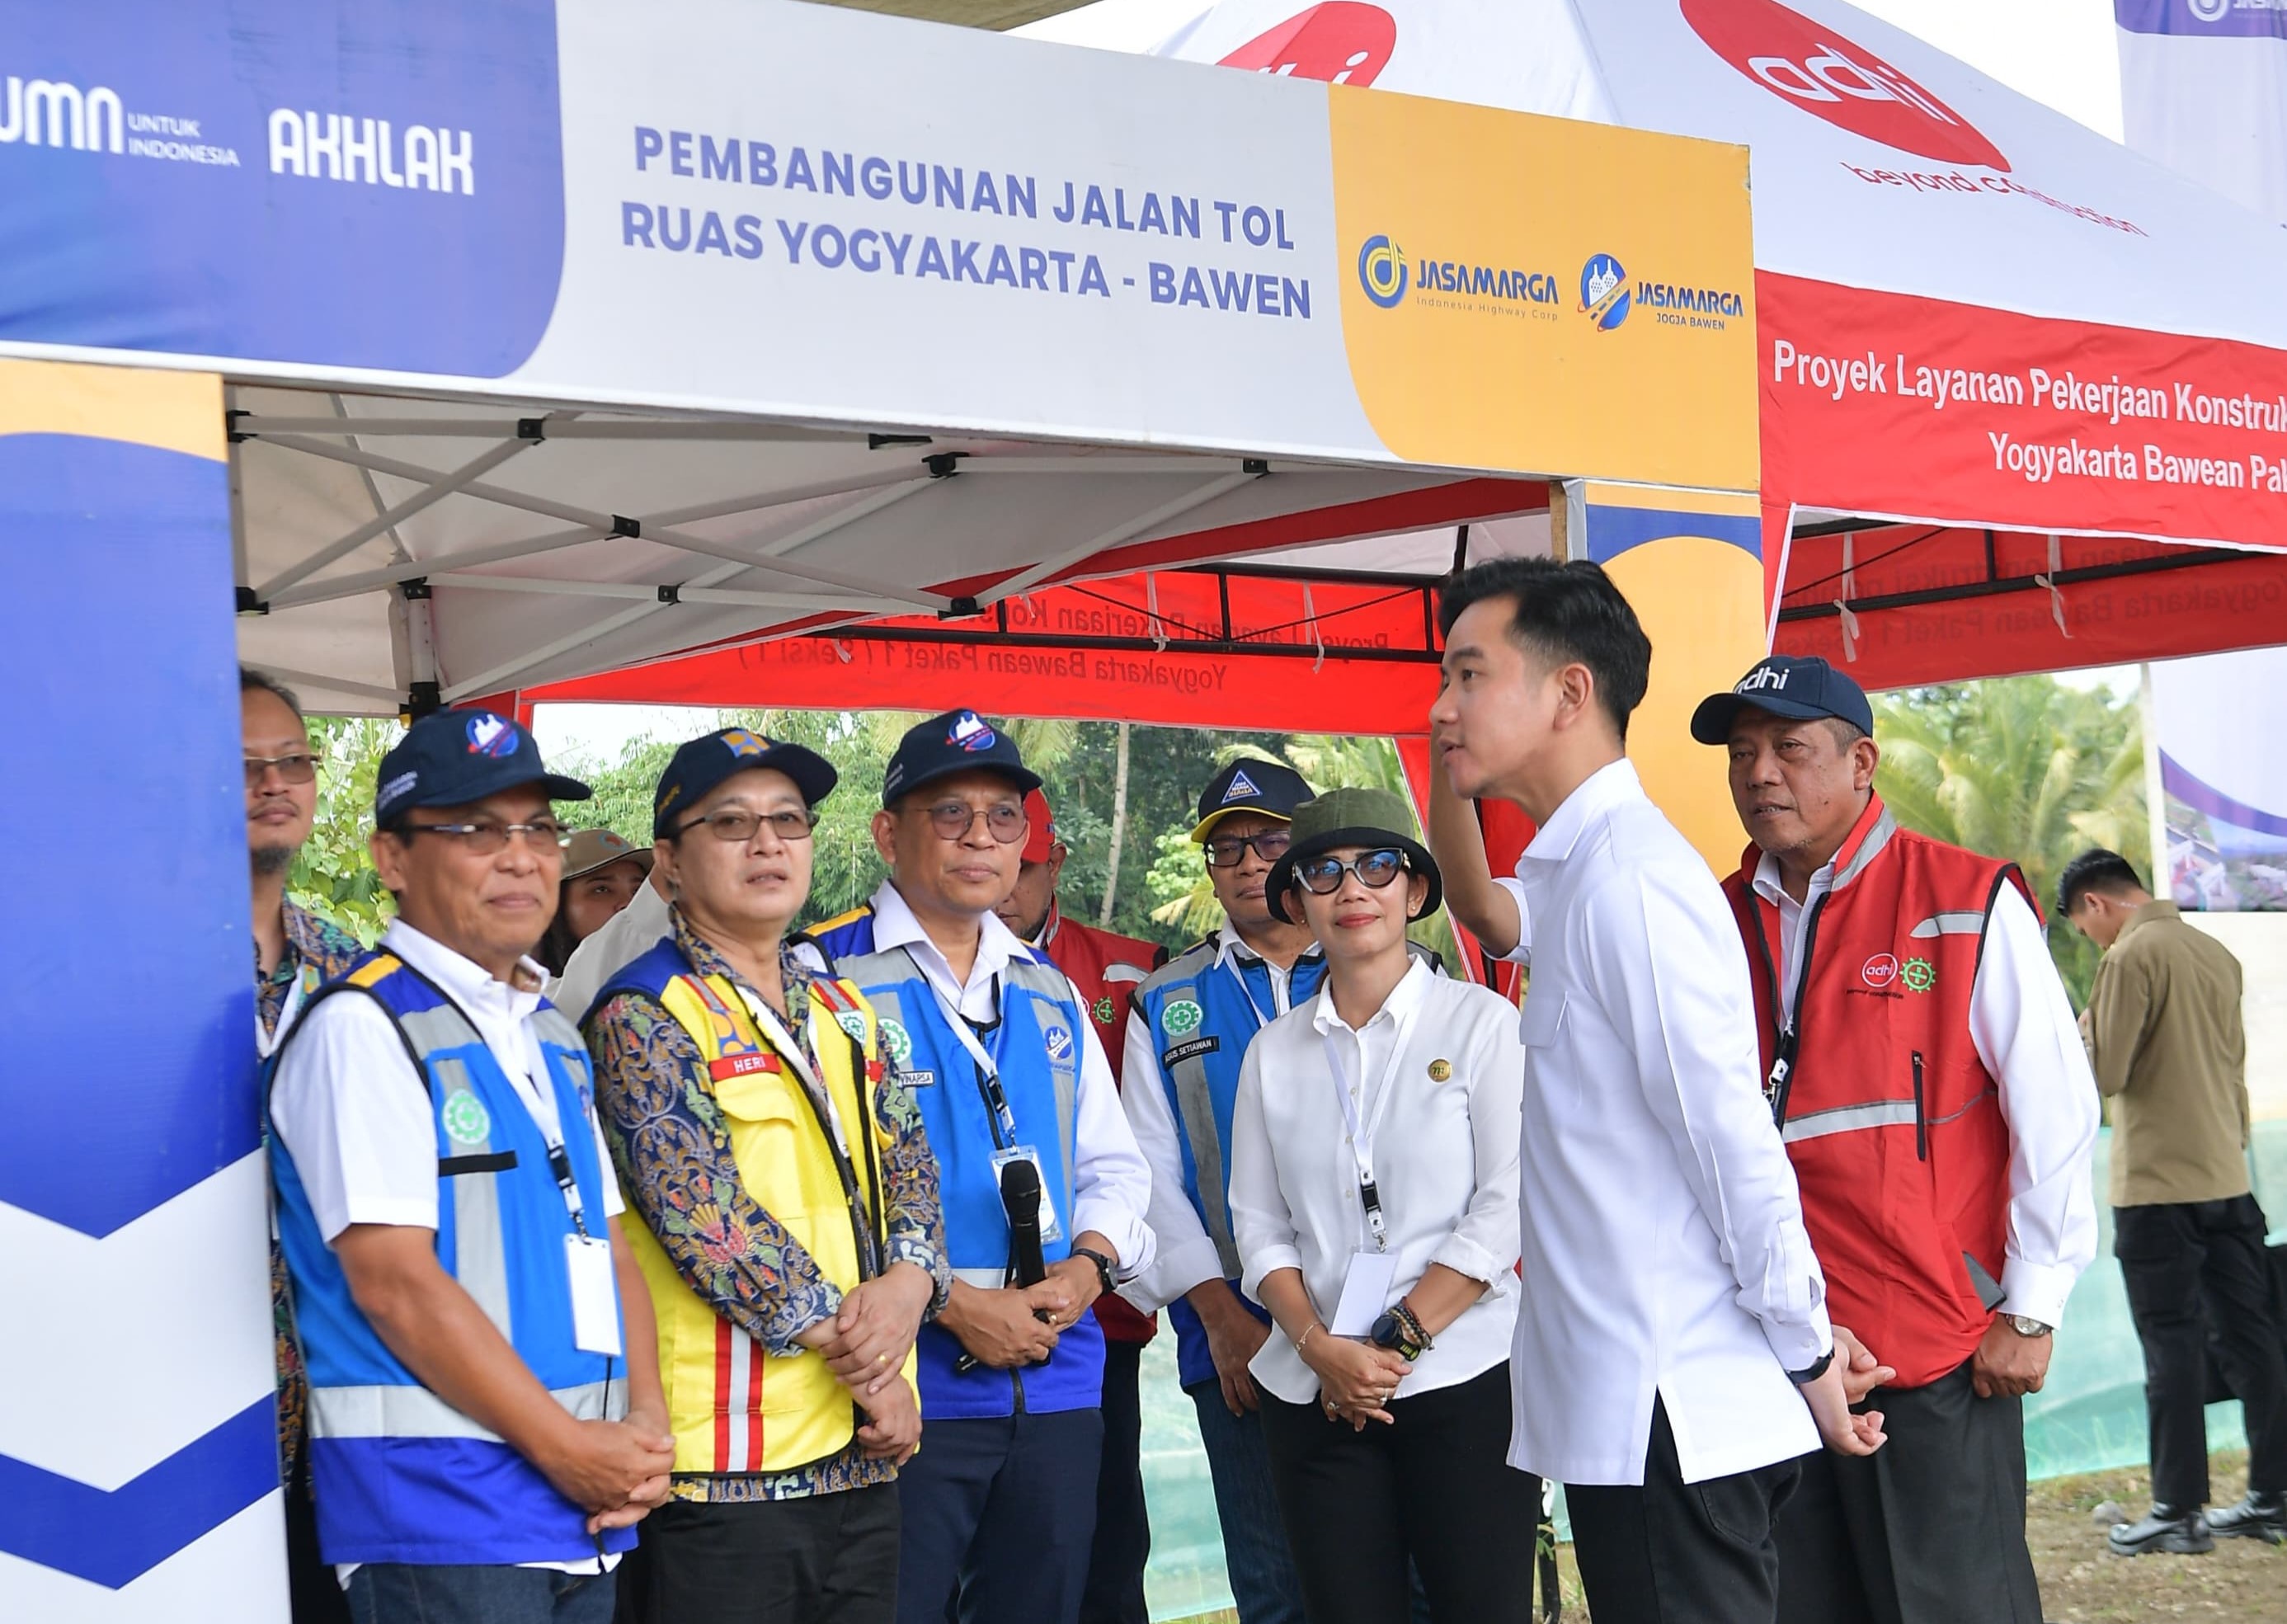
pixel 1369 817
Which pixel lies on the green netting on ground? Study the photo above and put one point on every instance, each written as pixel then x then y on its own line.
pixel 2088 1417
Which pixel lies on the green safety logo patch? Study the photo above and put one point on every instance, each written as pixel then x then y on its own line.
pixel 466 1119
pixel 896 1042
pixel 1180 1017
pixel 1919 975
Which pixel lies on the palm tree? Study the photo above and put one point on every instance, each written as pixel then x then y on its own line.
pixel 2020 767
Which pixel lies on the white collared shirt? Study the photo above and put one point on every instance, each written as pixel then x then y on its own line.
pixel 1664 1248
pixel 1112 1183
pixel 1186 1257
pixel 1443 1153
pixel 356 1116
pixel 2023 1029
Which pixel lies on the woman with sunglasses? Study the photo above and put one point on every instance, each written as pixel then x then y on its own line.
pixel 1374 1193
pixel 790 1234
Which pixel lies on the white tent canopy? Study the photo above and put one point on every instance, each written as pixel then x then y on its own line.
pixel 555 543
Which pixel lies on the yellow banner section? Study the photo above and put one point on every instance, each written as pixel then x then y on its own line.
pixel 1690 563
pixel 1547 296
pixel 174 411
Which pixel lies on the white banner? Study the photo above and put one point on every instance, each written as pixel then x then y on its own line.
pixel 2204 88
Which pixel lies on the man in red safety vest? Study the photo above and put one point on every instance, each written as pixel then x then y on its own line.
pixel 1928 1077
pixel 1107 968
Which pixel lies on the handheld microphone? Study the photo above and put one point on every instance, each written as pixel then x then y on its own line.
pixel 1020 1201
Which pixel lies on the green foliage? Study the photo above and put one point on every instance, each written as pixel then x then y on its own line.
pixel 333 876
pixel 2020 767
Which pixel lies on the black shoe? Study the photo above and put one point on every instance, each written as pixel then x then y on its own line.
pixel 2259 1516
pixel 2162 1528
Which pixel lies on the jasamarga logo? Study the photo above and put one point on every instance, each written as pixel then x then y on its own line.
pixel 1381 271
pixel 51 113
pixel 1604 296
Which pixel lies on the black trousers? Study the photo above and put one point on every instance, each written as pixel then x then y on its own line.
pixel 1669 1551
pixel 1435 1486
pixel 999 1514
pixel 829 1559
pixel 1930 1529
pixel 2190 1267
pixel 1123 1530
pixel 316 1596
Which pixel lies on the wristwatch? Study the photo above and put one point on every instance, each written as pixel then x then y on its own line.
pixel 2025 1326
pixel 1402 1333
pixel 1104 1266
pixel 1813 1370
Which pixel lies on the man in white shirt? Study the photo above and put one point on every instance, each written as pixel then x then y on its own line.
pixel 998 1508
pixel 1673 1356
pixel 1924 1068
pixel 486 1418
pixel 1188 1032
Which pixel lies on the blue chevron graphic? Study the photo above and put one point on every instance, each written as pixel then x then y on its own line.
pixel 110 1538
pixel 125 550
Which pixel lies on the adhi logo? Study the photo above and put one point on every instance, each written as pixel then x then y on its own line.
pixel 1381 271
pixel 1341 43
pixel 1879 972
pixel 1820 70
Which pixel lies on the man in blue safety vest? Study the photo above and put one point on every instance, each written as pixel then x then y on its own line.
pixel 485 1420
pixel 1187 1032
pixel 999 1505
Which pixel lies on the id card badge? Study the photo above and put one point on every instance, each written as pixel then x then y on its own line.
pixel 594 1294
pixel 1366 1293
pixel 1050 1230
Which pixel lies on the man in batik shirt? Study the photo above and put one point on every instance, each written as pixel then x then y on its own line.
pixel 791 1232
pixel 294 953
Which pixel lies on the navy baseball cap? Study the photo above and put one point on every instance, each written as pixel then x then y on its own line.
pixel 1250 785
pixel 958 742
pixel 695 768
pixel 1785 686
pixel 453 757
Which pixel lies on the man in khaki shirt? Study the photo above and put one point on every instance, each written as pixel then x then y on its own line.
pixel 2163 1034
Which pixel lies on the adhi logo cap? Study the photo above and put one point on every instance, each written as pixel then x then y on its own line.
pixel 1785 686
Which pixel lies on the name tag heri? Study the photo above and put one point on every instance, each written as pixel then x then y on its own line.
pixel 594 1294
pixel 740 1065
pixel 1366 1293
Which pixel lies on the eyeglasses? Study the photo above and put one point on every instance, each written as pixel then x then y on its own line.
pixel 1229 851
pixel 1004 821
pixel 733 824
pixel 485 839
pixel 1323 875
pixel 298 768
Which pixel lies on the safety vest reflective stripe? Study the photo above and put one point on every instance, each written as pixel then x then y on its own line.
pixel 737 1400
pixel 1956 922
pixel 1852 1118
pixel 416 1411
pixel 1195 1101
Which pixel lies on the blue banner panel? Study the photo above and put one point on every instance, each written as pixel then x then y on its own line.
pixel 126 978
pixel 366 183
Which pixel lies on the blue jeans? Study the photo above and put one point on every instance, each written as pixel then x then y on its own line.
pixel 407 1593
pixel 1261 1568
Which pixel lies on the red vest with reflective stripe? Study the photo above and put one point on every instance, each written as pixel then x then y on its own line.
pixel 1892 1120
pixel 1107 968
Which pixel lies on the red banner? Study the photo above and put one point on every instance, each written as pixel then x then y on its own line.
pixel 1882 404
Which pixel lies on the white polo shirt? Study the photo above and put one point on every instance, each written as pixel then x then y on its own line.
pixel 1435 1077
pixel 1663 1250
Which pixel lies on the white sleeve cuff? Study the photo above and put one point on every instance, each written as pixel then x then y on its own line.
pixel 2036 1290
pixel 1465 1257
pixel 1800 1346
pixel 397 1214
pixel 1116 1222
pixel 1173 1273
pixel 1269 1261
pixel 1522 954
